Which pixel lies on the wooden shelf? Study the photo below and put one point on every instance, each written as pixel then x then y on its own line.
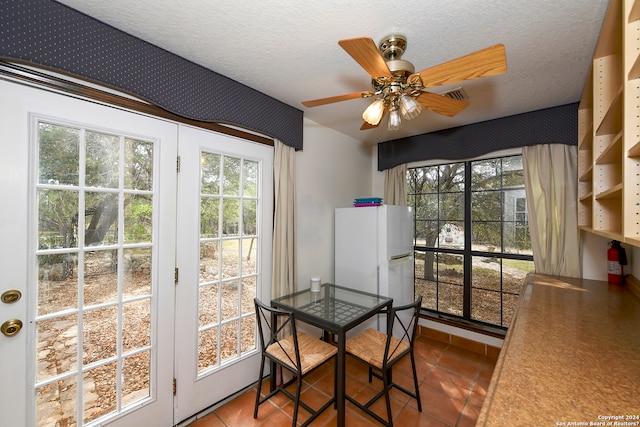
pixel 610 39
pixel 587 175
pixel 614 192
pixel 613 153
pixel 632 241
pixel 586 102
pixel 609 234
pixel 634 14
pixel 585 128
pixel 634 73
pixel 609 130
pixel 586 198
pixel 586 228
pixel 612 121
pixel 634 151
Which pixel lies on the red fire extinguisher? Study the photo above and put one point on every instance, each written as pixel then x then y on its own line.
pixel 616 258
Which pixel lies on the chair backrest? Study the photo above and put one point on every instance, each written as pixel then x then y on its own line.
pixel 406 327
pixel 273 324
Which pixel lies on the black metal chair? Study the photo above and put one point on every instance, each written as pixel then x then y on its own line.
pixel 382 351
pixel 299 353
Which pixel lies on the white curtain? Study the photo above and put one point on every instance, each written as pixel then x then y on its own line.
pixel 551 182
pixel 283 276
pixel 395 185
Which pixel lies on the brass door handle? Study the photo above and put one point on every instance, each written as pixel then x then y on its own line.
pixel 11 296
pixel 11 327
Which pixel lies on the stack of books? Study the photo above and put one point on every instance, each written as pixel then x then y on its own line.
pixel 360 202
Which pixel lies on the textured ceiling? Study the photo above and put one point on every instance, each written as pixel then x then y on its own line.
pixel 288 49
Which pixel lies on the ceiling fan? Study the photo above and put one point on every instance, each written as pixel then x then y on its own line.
pixel 399 89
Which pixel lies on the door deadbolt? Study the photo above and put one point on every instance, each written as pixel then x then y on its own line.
pixel 11 296
pixel 11 327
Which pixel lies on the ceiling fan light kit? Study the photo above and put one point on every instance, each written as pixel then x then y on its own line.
pixel 409 107
pixel 374 112
pixel 399 89
pixel 394 118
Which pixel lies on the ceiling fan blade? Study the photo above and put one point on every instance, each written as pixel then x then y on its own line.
pixel 337 98
pixel 366 53
pixel 483 63
pixel 441 104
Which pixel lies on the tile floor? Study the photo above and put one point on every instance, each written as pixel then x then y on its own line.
pixel 453 382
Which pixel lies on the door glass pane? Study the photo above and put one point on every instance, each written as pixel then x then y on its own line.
pixel 230 300
pixel 248 293
pixel 231 217
pixel 250 178
pixel 210 173
pixel 136 371
pixel 100 391
pixel 57 283
pixel 138 168
pixel 247 333
pixel 95 285
pixel 136 274
pixel 209 260
pixel 231 176
pixel 57 219
pixel 56 403
pixel 249 209
pixel 138 219
pixel 229 335
pixel 58 154
pixel 209 216
pixel 229 256
pixel 100 278
pixel 57 340
pixel 208 305
pixel 99 334
pixel 136 325
pixel 207 348
pixel 249 254
pixel 102 164
pixel 101 216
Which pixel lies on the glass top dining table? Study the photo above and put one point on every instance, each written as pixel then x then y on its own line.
pixel 334 309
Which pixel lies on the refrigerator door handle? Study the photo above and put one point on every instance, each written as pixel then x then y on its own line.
pixel 398 259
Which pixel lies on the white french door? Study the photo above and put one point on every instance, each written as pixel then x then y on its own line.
pixel 95 220
pixel 88 242
pixel 225 216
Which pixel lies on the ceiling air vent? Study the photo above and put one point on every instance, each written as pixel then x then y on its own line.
pixel 457 93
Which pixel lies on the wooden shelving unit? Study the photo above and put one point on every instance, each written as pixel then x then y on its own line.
pixel 609 130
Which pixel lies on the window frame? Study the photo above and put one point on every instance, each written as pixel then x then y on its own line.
pixel 466 320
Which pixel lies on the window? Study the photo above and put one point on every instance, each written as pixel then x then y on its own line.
pixel 471 242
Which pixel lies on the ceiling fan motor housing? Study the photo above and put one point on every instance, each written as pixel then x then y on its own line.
pixel 392 48
pixel 401 67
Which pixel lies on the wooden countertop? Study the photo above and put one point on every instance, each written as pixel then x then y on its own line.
pixel 570 357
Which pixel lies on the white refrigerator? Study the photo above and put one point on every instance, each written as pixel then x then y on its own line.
pixel 374 253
